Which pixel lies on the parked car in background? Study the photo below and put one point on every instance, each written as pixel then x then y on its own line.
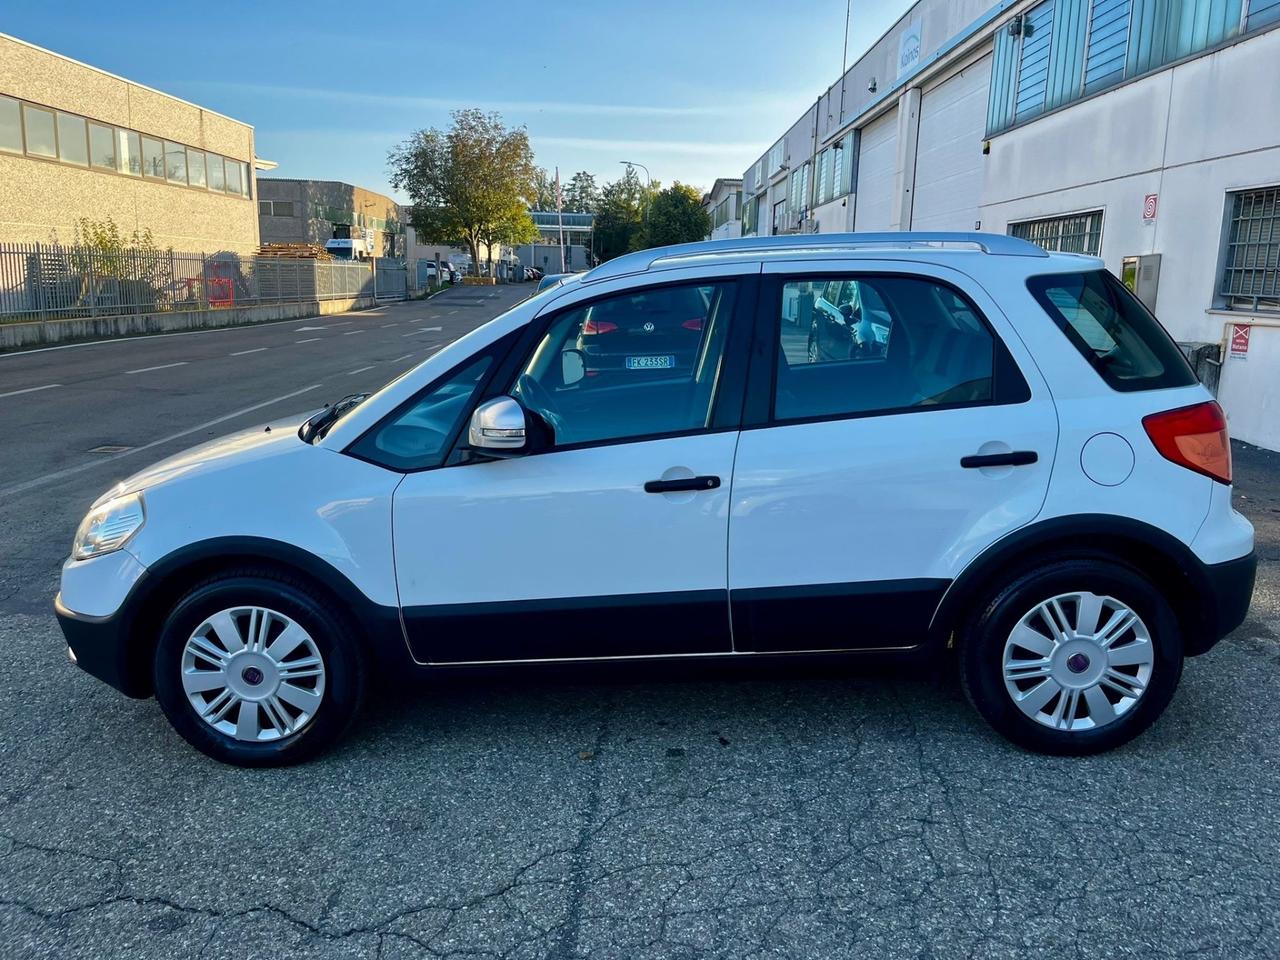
pixel 1022 480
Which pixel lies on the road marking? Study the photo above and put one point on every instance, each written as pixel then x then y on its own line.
pixel 163 366
pixel 411 333
pixel 47 386
pixel 396 360
pixel 385 325
pixel 80 468
pixel 241 353
pixel 452 312
pixel 308 340
pixel 352 373
pixel 431 329
pixel 351 333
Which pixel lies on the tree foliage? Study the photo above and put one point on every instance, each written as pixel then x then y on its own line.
pixel 676 215
pixel 619 222
pixel 467 184
pixel 542 194
pixel 581 195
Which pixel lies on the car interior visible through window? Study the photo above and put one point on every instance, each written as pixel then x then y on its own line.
pixel 638 364
pixel 856 345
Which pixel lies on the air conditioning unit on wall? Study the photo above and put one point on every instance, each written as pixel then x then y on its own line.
pixel 808 225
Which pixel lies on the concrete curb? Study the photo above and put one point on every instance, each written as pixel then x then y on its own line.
pixel 43 333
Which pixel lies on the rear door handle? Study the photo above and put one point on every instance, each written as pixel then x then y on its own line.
pixel 1015 458
pixel 683 483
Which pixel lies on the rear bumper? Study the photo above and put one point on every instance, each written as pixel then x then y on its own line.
pixel 100 647
pixel 1230 590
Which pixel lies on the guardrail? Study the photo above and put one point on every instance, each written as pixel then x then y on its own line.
pixel 53 282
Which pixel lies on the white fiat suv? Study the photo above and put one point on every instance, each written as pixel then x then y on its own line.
pixel 1018 470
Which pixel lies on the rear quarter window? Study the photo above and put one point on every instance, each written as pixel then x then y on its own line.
pixel 1112 330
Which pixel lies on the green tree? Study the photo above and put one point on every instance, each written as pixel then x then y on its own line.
pixel 512 231
pixel 543 192
pixel 676 215
pixel 467 183
pixel 620 216
pixel 581 195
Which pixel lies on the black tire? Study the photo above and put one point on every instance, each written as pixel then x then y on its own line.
pixel 344 669
pixel 983 637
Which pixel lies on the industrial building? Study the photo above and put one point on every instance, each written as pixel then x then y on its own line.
pixel 723 203
pixel 78 142
pixel 1146 132
pixel 317 211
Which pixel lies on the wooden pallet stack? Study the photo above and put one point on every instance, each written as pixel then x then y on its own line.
pixel 295 251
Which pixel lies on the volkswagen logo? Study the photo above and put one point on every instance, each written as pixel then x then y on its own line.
pixel 648 327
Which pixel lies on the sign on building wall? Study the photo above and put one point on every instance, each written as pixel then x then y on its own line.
pixel 1150 206
pixel 909 50
pixel 1240 340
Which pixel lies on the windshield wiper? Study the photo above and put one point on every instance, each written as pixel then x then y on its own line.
pixel 319 425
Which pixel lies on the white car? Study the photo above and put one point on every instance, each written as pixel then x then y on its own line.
pixel 1028 477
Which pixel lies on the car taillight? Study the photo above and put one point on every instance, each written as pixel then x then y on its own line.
pixel 592 327
pixel 1193 437
pixel 694 324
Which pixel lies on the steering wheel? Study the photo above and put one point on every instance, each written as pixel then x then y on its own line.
pixel 536 397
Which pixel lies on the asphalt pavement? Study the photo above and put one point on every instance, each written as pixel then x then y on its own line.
pixel 669 811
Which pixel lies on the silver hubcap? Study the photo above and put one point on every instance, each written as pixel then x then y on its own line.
pixel 1078 661
pixel 253 674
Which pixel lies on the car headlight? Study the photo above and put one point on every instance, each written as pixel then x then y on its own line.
pixel 108 526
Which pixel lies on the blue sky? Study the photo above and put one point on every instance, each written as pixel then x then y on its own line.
pixel 694 89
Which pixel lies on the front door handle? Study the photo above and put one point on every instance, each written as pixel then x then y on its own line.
pixel 681 484
pixel 1015 458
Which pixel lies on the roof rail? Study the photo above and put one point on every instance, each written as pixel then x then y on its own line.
pixel 642 260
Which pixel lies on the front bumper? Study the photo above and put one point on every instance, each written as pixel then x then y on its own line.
pixel 1230 590
pixel 99 646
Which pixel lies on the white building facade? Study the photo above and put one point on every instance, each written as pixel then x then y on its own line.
pixel 723 204
pixel 1146 132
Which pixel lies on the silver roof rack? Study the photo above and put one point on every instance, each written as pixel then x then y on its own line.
pixel 993 243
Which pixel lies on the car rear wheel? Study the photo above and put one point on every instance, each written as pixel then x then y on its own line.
pixel 1077 657
pixel 257 670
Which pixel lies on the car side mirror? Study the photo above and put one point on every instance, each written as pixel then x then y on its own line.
pixel 498 428
pixel 573 367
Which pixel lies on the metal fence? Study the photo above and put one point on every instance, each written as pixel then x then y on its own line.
pixel 50 281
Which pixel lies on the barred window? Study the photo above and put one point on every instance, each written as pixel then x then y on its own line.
pixel 1075 233
pixel 1251 268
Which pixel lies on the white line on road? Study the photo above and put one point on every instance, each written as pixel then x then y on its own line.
pixel 385 325
pixel 47 386
pixel 431 329
pixel 396 360
pixel 71 471
pixel 308 340
pixel 411 333
pixel 349 333
pixel 241 353
pixel 452 312
pixel 352 373
pixel 163 366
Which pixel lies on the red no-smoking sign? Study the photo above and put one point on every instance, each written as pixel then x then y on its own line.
pixel 1240 339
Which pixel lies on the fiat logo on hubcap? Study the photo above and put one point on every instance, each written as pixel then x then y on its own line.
pixel 1077 663
pixel 252 676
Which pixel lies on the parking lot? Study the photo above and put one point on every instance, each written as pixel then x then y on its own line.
pixel 669 811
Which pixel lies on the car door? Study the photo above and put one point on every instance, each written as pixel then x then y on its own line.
pixel 612 543
pixel 856 500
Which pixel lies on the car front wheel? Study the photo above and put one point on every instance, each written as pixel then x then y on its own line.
pixel 1077 657
pixel 257 670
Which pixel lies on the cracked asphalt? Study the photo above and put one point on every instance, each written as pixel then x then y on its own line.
pixel 659 812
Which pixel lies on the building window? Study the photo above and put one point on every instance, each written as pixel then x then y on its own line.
pixel 1033 64
pixel 73 142
pixel 217 176
pixel 1074 233
pixel 38 125
pixel 10 125
pixel 152 158
pixel 1108 41
pixel 233 177
pixel 102 147
pixel 777 154
pixel 175 162
pixel 824 177
pixel 1262 12
pixel 1251 268
pixel 276 208
pixel 842 162
pixel 750 213
pixel 130 146
pixel 195 167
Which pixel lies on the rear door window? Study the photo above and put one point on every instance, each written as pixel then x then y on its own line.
pixel 1111 329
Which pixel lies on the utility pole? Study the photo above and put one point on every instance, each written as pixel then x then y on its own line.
pixel 560 218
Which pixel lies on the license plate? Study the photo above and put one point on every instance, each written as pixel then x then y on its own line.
pixel 651 363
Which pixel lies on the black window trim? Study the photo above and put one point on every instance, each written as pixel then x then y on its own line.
pixel 1010 386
